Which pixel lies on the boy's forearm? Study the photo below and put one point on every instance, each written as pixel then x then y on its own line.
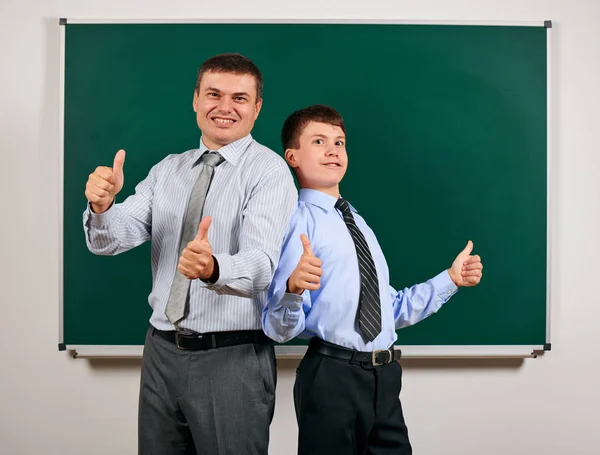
pixel 412 305
pixel 285 319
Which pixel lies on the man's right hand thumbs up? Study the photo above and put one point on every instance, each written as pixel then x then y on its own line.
pixel 104 184
pixel 307 274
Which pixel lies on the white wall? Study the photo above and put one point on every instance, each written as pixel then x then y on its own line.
pixel 50 403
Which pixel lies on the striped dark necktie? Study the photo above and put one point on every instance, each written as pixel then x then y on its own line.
pixel 369 305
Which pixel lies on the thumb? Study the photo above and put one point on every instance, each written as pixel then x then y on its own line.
pixel 467 251
pixel 118 163
pixel 306 245
pixel 203 228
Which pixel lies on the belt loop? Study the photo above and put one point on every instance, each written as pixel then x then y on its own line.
pixel 213 339
pixel 397 353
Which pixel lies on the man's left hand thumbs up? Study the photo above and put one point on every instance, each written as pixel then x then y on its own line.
pixel 196 259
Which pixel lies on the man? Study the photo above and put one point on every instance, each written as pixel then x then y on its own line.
pixel 332 285
pixel 208 371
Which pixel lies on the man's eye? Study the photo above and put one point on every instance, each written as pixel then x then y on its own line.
pixel 212 94
pixel 240 98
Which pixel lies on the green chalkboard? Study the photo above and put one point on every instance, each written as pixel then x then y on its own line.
pixel 447 141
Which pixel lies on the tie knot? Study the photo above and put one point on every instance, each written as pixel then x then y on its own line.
pixel 342 206
pixel 212 159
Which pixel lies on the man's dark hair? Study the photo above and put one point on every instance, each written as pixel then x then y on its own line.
pixel 295 123
pixel 231 63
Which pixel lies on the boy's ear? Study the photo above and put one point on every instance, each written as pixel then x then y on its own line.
pixel 290 157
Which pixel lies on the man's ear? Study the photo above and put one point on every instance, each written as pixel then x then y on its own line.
pixel 291 158
pixel 195 101
pixel 257 107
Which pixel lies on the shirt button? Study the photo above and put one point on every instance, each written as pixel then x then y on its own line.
pixel 298 300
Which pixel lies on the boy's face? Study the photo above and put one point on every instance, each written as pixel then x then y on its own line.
pixel 321 161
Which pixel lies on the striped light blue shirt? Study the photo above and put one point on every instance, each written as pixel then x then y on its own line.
pixel 251 199
pixel 330 312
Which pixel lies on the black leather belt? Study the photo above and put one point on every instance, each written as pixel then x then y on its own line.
pixel 378 357
pixel 194 341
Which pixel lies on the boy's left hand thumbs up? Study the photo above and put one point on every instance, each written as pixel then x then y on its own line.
pixel 466 270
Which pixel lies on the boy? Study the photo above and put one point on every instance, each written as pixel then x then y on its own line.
pixel 332 285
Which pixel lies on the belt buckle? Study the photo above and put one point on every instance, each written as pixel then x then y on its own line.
pixel 380 351
pixel 181 333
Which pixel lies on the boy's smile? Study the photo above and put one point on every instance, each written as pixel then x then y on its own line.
pixel 320 161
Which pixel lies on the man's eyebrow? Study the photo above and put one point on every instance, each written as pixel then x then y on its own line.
pixel 216 90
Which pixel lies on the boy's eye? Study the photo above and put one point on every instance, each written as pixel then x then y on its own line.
pixel 319 141
pixel 340 143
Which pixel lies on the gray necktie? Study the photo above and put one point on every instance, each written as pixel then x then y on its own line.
pixel 176 305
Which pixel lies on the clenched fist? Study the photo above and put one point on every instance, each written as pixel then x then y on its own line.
pixel 104 184
pixel 307 274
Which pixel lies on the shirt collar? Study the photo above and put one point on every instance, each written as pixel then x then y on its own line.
pixel 320 199
pixel 231 152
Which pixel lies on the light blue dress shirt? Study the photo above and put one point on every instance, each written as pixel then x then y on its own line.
pixel 330 312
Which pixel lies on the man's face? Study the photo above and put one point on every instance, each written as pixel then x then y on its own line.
pixel 226 107
pixel 321 159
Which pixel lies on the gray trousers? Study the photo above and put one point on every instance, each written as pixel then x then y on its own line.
pixel 213 402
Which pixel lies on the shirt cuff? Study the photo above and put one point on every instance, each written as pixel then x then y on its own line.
pixel 293 301
pixel 444 286
pixel 100 219
pixel 225 269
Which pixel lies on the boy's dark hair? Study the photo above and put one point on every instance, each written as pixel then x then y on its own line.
pixel 295 123
pixel 231 63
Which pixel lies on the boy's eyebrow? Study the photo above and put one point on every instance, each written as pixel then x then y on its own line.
pixel 325 137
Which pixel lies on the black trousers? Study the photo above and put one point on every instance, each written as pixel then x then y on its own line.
pixel 213 402
pixel 348 408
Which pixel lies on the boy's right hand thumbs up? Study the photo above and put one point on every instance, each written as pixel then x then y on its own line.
pixel 306 244
pixel 105 183
pixel 307 274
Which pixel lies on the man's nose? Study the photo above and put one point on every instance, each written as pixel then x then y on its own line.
pixel 225 104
